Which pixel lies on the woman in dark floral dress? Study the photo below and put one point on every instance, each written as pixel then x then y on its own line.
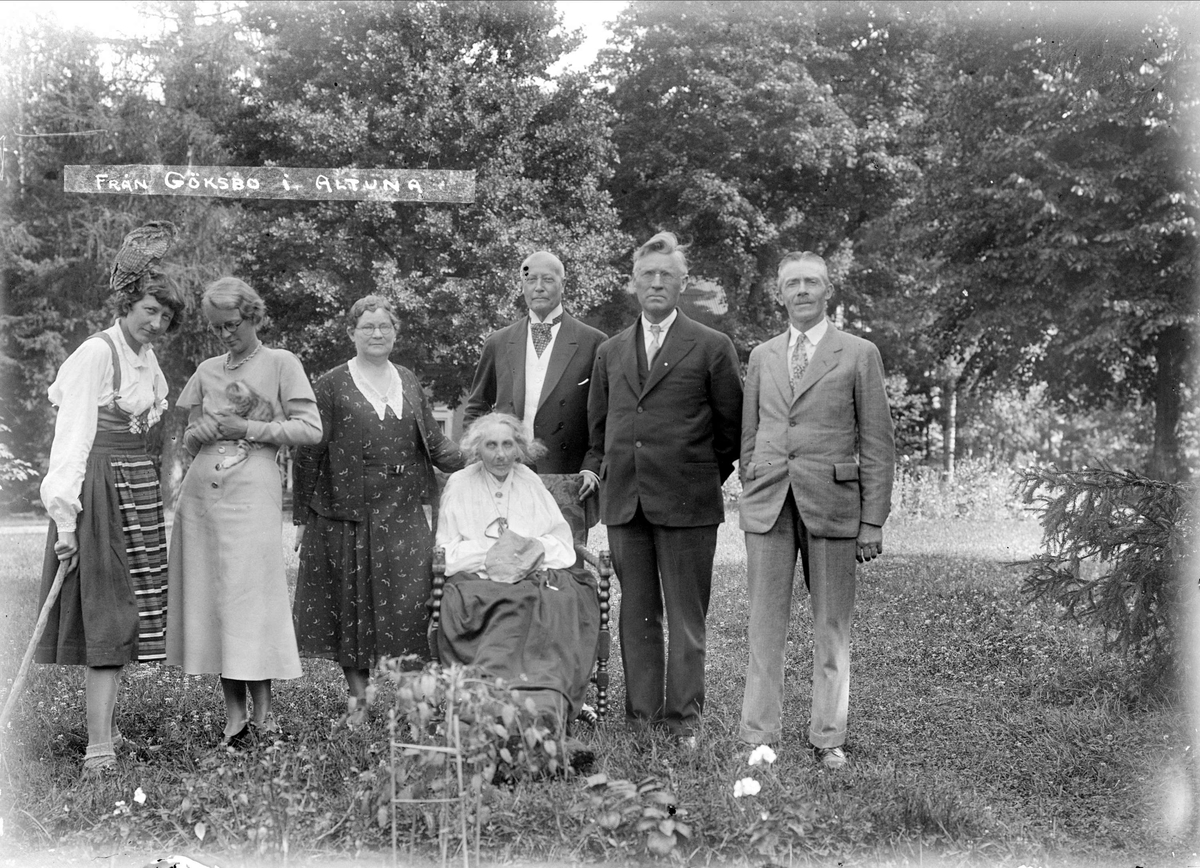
pixel 363 504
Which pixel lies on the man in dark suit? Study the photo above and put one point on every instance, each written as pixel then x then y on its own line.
pixel 538 368
pixel 665 412
pixel 817 461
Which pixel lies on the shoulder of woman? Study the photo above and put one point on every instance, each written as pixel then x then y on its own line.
pixel 91 351
pixel 334 376
pixel 90 362
pixel 280 355
pixel 287 361
pixel 528 477
pixel 461 477
pixel 406 374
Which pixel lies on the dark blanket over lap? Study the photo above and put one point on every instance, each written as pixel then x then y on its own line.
pixel 534 637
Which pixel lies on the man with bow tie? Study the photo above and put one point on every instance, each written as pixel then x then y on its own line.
pixel 538 368
pixel 817 461
pixel 665 412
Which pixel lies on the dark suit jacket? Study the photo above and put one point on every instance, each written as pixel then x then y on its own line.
pixel 329 476
pixel 670 443
pixel 829 441
pixel 561 422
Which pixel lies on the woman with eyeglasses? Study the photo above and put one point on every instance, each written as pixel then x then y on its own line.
pixel 230 613
pixel 364 501
pixel 103 496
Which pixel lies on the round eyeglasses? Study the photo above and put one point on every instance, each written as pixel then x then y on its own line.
pixel 648 276
pixel 226 328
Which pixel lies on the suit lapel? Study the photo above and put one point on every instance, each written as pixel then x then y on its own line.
pixel 680 341
pixel 629 359
pixel 826 357
pixel 515 359
pixel 777 365
pixel 565 345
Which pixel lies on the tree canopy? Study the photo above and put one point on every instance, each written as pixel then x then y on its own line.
pixel 741 126
pixel 429 85
pixel 1064 216
pixel 1006 194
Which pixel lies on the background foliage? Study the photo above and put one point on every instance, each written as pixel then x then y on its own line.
pixel 1006 195
pixel 1117 547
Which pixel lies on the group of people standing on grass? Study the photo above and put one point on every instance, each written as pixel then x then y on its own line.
pixel 653 420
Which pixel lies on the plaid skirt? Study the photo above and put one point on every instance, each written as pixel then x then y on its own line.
pixel 113 606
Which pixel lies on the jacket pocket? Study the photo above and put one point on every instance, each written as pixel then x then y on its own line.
pixel 847 472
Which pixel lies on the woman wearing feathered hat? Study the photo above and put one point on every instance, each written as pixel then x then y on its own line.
pixel 102 492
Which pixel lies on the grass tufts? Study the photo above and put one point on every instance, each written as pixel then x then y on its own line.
pixel 984 729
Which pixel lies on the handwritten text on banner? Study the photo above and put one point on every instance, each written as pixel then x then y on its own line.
pixel 270 182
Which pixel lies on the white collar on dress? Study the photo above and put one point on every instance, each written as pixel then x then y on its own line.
pixel 135 360
pixel 394 397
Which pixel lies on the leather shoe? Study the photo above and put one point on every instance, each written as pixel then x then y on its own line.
pixel 240 740
pixel 831 758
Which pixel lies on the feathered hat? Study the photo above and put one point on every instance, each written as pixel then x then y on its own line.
pixel 141 251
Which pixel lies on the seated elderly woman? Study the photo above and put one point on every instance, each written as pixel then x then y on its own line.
pixel 515 605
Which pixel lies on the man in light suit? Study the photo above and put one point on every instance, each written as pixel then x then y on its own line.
pixel 665 410
pixel 817 461
pixel 538 368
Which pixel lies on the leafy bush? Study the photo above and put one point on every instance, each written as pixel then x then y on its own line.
pixel 618 813
pixel 18 478
pixel 458 736
pixel 1115 545
pixel 455 735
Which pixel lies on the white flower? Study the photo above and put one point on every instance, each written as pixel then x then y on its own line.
pixel 761 754
pixel 746 787
pixel 139 796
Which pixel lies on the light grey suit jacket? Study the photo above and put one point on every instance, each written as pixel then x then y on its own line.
pixel 830 441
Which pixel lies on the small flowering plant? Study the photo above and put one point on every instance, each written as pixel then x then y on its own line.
pixel 762 755
pixel 746 787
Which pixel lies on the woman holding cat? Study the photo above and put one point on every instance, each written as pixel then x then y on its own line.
pixel 103 497
pixel 361 501
pixel 229 610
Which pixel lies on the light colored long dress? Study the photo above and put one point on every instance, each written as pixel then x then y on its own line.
pixel 230 613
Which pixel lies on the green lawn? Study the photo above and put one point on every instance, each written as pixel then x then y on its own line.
pixel 983 731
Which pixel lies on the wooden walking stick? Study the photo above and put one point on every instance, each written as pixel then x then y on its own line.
pixel 43 617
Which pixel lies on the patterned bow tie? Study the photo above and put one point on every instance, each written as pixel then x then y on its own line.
pixel 541 334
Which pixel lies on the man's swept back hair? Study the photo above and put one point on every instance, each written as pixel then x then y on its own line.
pixel 663 242
pixel 804 256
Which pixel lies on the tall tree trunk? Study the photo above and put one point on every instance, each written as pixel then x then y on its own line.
pixel 1171 357
pixel 949 425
